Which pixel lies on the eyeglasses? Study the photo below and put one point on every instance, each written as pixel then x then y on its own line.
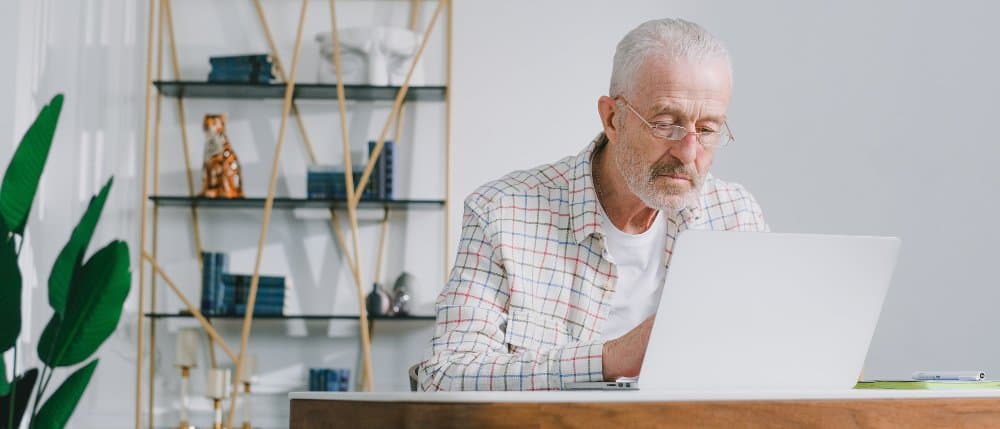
pixel 706 137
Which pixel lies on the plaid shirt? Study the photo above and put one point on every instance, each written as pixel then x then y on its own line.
pixel 532 285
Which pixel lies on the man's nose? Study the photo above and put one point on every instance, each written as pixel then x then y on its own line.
pixel 686 149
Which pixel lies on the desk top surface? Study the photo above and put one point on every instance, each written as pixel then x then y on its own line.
pixel 639 396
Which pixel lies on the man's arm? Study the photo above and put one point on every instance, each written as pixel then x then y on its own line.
pixel 470 349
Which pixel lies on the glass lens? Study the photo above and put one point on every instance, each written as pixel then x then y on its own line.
pixel 710 139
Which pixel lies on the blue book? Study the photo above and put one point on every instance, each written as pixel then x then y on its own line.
pixel 332 380
pixel 243 280
pixel 207 265
pixel 221 266
pixel 239 59
pixel 312 380
pixel 241 77
pixel 345 379
pixel 331 185
pixel 243 69
pixel 382 175
pixel 212 291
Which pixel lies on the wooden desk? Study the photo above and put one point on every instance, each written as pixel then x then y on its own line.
pixel 637 409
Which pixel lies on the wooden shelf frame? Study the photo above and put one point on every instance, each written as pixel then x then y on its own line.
pixel 160 27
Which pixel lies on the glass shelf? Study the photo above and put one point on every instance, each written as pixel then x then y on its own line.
pixel 289 317
pixel 291 203
pixel 303 91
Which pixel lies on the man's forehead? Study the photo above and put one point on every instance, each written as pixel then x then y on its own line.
pixel 669 85
pixel 708 77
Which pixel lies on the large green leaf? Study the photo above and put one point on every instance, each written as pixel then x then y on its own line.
pixel 22 387
pixel 93 310
pixel 10 294
pixel 21 179
pixel 71 257
pixel 57 409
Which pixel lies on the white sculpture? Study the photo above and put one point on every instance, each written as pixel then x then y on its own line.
pixel 370 56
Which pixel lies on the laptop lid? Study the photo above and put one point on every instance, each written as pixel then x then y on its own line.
pixel 747 310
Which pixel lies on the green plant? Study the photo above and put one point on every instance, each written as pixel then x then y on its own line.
pixel 86 295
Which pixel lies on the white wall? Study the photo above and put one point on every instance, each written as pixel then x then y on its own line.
pixel 851 117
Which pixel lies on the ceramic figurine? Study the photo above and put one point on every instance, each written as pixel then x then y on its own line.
pixel 221 176
pixel 378 302
pixel 370 56
pixel 401 294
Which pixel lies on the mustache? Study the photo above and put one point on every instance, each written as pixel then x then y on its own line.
pixel 673 168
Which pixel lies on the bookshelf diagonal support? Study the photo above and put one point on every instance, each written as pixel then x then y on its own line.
pixel 268 205
pixel 205 324
pixel 352 207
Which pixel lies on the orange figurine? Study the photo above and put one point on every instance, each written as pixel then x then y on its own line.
pixel 221 177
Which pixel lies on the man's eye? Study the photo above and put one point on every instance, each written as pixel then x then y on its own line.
pixel 663 125
pixel 707 130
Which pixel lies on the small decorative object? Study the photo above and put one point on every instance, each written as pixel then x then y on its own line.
pixel 378 302
pixel 401 294
pixel 221 176
pixel 249 370
pixel 186 358
pixel 218 385
pixel 370 55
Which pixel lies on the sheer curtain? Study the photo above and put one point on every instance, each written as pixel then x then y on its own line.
pixel 93 51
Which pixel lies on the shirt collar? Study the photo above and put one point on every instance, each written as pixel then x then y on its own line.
pixel 583 196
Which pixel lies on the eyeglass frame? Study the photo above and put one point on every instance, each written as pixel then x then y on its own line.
pixel 655 129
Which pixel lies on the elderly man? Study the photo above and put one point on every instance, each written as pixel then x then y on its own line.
pixel 560 268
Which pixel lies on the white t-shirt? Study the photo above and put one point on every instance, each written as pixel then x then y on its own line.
pixel 639 261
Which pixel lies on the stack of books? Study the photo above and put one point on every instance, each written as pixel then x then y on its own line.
pixel 327 182
pixel 226 294
pixel 329 380
pixel 270 294
pixel 253 68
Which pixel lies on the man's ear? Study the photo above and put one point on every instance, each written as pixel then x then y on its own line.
pixel 607 108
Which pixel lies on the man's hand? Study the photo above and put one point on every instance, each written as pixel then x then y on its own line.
pixel 623 356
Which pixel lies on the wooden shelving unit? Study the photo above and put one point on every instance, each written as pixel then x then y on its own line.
pixel 288 91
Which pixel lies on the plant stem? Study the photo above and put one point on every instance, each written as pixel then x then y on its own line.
pixel 38 398
pixel 13 388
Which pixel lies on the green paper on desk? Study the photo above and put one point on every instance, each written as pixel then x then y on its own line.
pixel 926 385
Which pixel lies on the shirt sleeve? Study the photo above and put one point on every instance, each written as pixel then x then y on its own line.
pixel 471 347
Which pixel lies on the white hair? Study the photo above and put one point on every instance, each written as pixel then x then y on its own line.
pixel 669 38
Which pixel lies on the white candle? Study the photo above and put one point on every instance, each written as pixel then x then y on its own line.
pixel 187 347
pixel 218 383
pixel 249 368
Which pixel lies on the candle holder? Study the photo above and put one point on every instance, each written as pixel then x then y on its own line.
pixel 246 405
pixel 186 358
pixel 218 385
pixel 249 370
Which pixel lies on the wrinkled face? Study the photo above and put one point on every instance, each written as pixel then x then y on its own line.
pixel 668 174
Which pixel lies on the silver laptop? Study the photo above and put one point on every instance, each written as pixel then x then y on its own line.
pixel 765 311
